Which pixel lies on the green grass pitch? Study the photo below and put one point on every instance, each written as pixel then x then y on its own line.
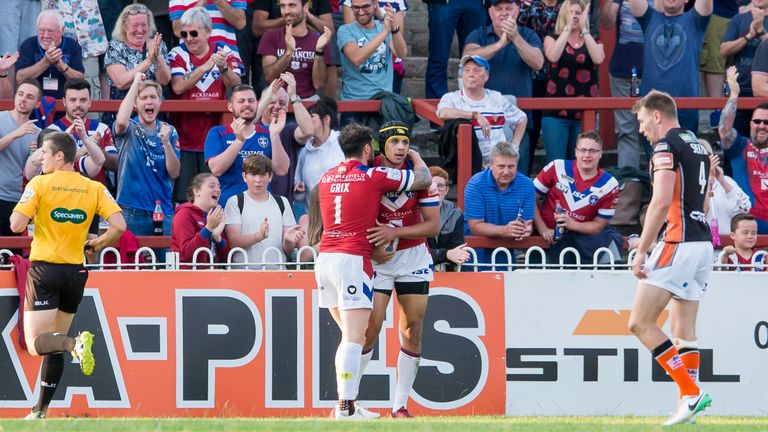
pixel 423 424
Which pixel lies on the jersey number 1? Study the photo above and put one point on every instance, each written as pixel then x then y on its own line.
pixel 337 209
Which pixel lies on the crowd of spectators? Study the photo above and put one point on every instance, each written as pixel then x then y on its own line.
pixel 255 175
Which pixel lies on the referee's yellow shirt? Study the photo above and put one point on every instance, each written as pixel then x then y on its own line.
pixel 63 204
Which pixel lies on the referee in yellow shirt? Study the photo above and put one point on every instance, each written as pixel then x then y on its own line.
pixel 63 203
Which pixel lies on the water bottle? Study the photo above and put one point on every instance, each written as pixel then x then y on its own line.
pixel 634 84
pixel 558 211
pixel 726 89
pixel 157 219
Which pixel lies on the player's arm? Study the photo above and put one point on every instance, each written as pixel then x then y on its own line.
pixel 110 237
pixel 429 227
pixel 422 179
pixel 664 181
pixel 19 221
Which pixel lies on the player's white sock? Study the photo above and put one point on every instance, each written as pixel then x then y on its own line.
pixel 364 359
pixel 407 367
pixel 348 369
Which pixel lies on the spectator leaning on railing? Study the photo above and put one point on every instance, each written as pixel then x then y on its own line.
pixel 742 255
pixel 487 110
pixel 200 71
pixel 148 158
pixel 50 57
pixel 587 196
pixel 499 201
pixel 748 156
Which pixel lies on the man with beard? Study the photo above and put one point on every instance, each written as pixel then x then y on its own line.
pixel 297 49
pixel 367 47
pixel 227 146
pixel 148 160
pixel 96 151
pixel 748 156
pixel 18 134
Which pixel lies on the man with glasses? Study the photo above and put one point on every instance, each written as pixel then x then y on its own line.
pixel 748 156
pixel 576 199
pixel 50 57
pixel 367 47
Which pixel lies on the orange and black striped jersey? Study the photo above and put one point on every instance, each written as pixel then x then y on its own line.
pixel 680 151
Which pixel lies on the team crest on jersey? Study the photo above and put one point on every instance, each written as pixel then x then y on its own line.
pixel 593 200
pixel 28 193
pixel 263 142
pixel 341 170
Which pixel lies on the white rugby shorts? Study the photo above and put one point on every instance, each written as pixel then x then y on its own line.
pixel 408 265
pixel 345 281
pixel 681 268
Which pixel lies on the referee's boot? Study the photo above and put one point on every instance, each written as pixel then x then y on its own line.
pixel 83 352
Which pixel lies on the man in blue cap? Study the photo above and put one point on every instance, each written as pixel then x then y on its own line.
pixel 513 52
pixel 489 111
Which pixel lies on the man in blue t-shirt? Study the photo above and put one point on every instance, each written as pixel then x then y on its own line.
pixel 513 52
pixel 227 146
pixel 499 202
pixel 49 57
pixel 672 49
pixel 148 158
pixel 367 47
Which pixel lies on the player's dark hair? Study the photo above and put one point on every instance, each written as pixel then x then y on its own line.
pixel 657 101
pixel 591 135
pixel 353 139
pixel 62 142
pixel 195 184
pixel 76 84
pixel 738 218
pixel 326 106
pixel 257 164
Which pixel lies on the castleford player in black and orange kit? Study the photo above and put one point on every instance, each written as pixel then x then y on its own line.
pixel 63 203
pixel 678 269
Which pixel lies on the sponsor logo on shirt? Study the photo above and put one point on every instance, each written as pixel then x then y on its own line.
pixel 663 161
pixel 28 193
pixel 763 184
pixel 62 215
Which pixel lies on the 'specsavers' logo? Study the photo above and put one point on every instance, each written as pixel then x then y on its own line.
pixel 62 215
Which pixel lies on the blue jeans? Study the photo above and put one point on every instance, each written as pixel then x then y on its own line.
pixel 560 137
pixel 139 222
pixel 460 17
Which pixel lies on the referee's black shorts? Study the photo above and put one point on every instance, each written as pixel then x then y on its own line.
pixel 55 286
